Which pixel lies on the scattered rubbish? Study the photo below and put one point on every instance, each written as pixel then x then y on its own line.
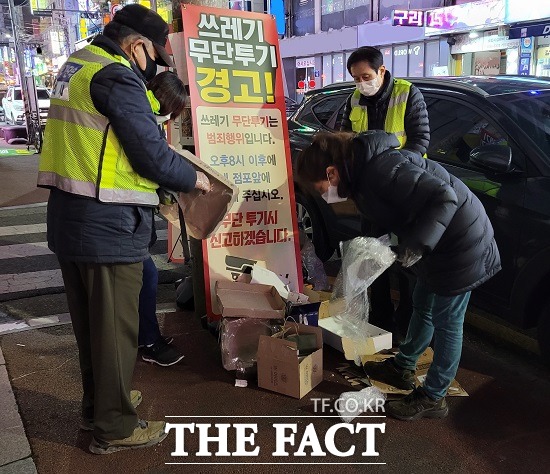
pixel 351 404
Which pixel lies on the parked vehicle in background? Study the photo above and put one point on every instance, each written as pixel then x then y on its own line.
pixel 14 108
pixel 2 114
pixel 494 134
pixel 291 106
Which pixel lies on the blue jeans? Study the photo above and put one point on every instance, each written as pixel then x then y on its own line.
pixel 442 318
pixel 149 331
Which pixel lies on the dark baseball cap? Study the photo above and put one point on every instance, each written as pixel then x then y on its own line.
pixel 147 23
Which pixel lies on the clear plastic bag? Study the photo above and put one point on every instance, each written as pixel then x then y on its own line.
pixel 239 340
pixel 364 259
pixel 351 404
pixel 315 269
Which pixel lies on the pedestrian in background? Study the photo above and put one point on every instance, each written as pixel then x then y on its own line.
pixel 167 96
pixel 103 159
pixel 382 102
pixel 445 237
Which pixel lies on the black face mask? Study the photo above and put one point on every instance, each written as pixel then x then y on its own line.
pixel 150 70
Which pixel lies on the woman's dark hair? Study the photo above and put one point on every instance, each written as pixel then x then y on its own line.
pixel 327 149
pixel 366 53
pixel 170 92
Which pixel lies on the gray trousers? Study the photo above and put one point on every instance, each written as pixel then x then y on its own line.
pixel 103 302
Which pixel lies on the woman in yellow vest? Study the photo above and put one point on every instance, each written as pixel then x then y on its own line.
pixel 381 102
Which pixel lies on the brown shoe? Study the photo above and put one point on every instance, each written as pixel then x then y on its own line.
pixel 87 424
pixel 147 433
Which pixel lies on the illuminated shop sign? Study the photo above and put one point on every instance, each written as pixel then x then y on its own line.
pixel 520 10
pixel 465 17
pixel 408 18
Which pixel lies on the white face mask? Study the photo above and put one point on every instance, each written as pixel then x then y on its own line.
pixel 369 88
pixel 162 118
pixel 331 196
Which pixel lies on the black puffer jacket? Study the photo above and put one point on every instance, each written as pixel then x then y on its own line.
pixel 85 230
pixel 417 125
pixel 431 212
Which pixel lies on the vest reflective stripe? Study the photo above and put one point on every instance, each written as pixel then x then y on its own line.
pixel 98 122
pixel 82 188
pixel 395 116
pixel 81 153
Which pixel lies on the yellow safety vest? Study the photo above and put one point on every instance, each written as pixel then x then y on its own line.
pixel 81 153
pixel 395 116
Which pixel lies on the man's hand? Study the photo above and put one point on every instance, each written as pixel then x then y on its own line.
pixel 203 183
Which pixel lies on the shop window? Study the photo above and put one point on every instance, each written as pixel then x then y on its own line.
pixel 416 60
pixel 400 60
pixel 387 6
pixel 338 67
pixel 357 12
pixel 304 17
pixel 332 14
pixel 432 57
pixel 388 58
pixel 327 70
pixel 457 129
pixel 424 4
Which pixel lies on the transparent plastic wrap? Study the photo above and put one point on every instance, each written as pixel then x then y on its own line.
pixel 364 259
pixel 239 340
pixel 352 404
pixel 315 269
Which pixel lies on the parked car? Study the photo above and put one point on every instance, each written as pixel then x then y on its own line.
pixel 494 134
pixel 291 106
pixel 14 109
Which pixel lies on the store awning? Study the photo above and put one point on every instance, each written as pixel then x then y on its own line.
pixel 541 28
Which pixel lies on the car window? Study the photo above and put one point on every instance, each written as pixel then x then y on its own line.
pixel 17 95
pixel 325 109
pixel 43 94
pixel 531 111
pixel 456 129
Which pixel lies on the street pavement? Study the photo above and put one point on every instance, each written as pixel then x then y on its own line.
pixel 502 426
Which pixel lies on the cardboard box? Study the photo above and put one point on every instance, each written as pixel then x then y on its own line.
pixel 375 340
pixel 238 300
pixel 422 366
pixel 281 370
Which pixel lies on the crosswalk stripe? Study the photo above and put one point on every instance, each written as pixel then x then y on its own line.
pixel 59 319
pixel 36 249
pixel 22 229
pixel 38 280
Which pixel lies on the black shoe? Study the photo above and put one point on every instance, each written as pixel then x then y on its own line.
pixel 161 354
pixel 389 372
pixel 417 405
pixel 167 340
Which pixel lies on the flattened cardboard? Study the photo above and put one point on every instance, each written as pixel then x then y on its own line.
pixel 204 213
pixel 422 366
pixel 238 300
pixel 375 340
pixel 281 370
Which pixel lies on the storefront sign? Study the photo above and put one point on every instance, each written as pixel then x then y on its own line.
pixel 524 64
pixel 240 129
pixel 464 17
pixel 407 51
pixel 305 62
pixel 533 29
pixel 488 41
pixel 521 10
pixel 408 18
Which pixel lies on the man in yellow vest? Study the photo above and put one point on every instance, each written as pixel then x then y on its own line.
pixel 103 159
pixel 381 102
